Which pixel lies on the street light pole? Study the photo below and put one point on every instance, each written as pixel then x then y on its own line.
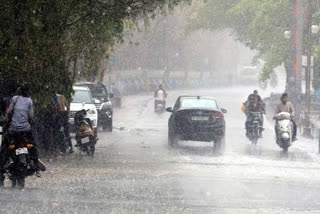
pixel 307 128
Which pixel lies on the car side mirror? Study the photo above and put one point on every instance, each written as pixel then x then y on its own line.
pixel 96 101
pixel 224 110
pixel 169 109
pixel 111 95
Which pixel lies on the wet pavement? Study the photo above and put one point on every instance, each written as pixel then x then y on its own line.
pixel 135 171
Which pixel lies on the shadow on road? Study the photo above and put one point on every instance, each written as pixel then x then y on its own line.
pixel 195 149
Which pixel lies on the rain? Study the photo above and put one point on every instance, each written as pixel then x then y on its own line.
pixel 160 106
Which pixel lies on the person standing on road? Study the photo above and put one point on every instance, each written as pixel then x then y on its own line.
pixel 286 106
pixel 62 109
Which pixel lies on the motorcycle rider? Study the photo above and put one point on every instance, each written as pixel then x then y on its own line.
pixel 253 105
pixel 20 118
pixel 160 96
pixel 260 101
pixel 287 106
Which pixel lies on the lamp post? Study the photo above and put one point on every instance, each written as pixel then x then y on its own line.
pixel 312 29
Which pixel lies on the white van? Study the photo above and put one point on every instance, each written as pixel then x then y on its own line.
pixel 82 99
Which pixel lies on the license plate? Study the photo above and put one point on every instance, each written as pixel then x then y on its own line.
pixel 200 118
pixel 22 151
pixel 86 140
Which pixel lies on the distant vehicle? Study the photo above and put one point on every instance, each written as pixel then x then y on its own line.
pixel 160 106
pixel 103 103
pixel 117 98
pixel 248 75
pixel 197 118
pixel 82 99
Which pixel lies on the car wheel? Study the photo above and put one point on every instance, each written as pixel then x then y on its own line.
pixel 104 126
pixel 13 182
pixel 219 145
pixel 173 138
pixel 107 126
pixel 20 183
pixel 110 126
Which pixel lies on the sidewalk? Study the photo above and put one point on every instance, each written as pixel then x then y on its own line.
pixel 310 146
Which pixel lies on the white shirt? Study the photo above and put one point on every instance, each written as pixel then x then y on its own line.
pixel 160 95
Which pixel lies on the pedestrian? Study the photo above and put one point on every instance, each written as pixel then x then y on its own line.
pixel 62 110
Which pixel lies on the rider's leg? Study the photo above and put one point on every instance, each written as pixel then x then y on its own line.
pixel 34 153
pixel 261 126
pixel 66 129
pixel 247 124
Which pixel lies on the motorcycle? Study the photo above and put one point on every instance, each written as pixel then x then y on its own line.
pixel 85 136
pixel 20 164
pixel 284 130
pixel 254 127
pixel 160 106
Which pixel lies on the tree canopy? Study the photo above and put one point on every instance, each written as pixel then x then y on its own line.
pixel 259 24
pixel 40 40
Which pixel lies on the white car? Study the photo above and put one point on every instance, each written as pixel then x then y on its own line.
pixel 82 99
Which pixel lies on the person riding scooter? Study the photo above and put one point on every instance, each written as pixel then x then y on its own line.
pixel 160 97
pixel 253 105
pixel 286 106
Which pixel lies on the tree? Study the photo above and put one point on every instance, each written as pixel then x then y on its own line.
pixel 41 40
pixel 259 24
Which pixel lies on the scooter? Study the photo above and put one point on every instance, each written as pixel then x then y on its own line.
pixel 85 136
pixel 160 106
pixel 284 129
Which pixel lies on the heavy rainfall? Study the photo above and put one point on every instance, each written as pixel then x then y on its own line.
pixel 160 106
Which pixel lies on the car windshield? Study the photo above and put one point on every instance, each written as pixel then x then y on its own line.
pixel 98 92
pixel 190 103
pixel 82 96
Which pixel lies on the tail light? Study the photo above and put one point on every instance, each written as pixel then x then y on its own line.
pixel 179 114
pixel 217 115
pixel 29 145
pixel 12 146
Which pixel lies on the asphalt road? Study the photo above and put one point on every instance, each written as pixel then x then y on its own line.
pixel 135 171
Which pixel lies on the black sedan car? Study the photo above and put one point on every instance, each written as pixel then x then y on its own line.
pixel 196 118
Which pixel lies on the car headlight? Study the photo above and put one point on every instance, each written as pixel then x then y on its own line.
pixel 92 111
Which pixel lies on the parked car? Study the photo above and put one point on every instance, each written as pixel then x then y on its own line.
pixel 196 118
pixel 117 98
pixel 103 103
pixel 82 99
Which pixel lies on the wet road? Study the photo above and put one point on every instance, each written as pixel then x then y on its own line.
pixel 136 172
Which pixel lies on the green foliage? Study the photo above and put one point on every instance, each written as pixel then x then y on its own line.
pixel 39 39
pixel 259 24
